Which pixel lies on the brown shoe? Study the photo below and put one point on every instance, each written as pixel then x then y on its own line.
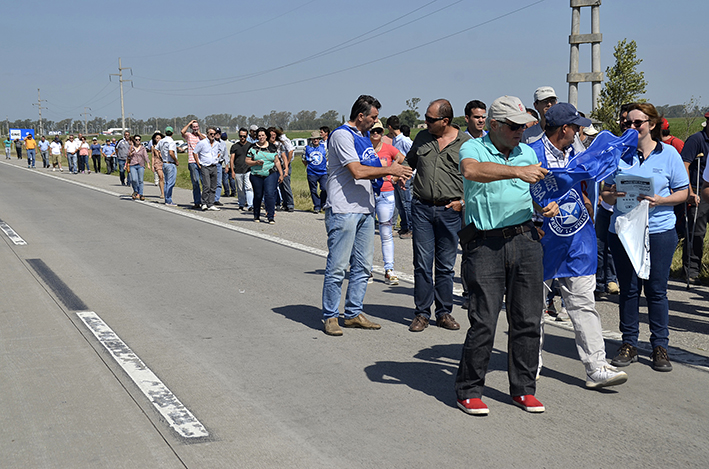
pixel 332 327
pixel 418 324
pixel 362 322
pixel 446 321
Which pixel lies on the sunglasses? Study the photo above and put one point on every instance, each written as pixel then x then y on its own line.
pixel 513 127
pixel 211 133
pixel 432 120
pixel 636 123
pixel 374 131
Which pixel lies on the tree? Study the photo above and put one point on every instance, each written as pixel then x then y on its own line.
pixel 691 113
pixel 411 115
pixel 624 84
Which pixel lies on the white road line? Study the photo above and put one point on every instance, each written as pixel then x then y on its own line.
pixel 14 237
pixel 177 415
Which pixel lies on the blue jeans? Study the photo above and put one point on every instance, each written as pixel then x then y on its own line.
pixel 228 183
pixel 605 272
pixel 30 158
pixel 196 178
pixel 220 175
pixel 45 159
pixel 350 240
pixel 122 172
pixel 136 178
pixel 286 191
pixel 403 204
pixel 510 270
pixel 318 199
pixel 435 237
pixel 170 172
pixel 662 248
pixel 385 214
pixel 264 190
pixel 71 159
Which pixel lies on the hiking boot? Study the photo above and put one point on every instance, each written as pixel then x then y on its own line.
pixel 660 360
pixel 418 324
pixel 605 376
pixel 332 327
pixel 627 354
pixel 361 322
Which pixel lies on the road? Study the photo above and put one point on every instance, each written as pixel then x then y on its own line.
pixel 227 318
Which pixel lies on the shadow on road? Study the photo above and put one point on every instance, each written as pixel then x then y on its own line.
pixel 308 315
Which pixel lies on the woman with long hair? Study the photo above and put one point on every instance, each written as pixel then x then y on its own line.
pixel 157 164
pixel 135 165
pixel 661 163
pixel 266 173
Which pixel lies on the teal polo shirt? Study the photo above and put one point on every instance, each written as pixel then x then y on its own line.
pixel 497 204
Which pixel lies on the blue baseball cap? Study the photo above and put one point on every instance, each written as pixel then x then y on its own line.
pixel 564 114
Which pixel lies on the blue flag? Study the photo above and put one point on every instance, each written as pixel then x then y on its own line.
pixel 598 162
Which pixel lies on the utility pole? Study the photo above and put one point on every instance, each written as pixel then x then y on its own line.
pixel 40 107
pixel 576 38
pixel 85 113
pixel 121 80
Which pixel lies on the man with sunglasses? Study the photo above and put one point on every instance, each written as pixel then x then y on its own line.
pixel 571 238
pixel 436 214
pixel 505 256
pixel 240 170
pixel 206 156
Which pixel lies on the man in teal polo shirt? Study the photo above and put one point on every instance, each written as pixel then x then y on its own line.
pixel 505 256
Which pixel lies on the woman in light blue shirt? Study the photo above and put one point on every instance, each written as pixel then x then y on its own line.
pixel 663 164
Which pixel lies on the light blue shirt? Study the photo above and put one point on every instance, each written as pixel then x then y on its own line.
pixel 208 153
pixel 43 145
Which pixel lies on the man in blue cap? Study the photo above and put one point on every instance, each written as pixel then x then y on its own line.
pixel 576 267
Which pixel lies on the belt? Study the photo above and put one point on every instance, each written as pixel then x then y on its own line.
pixel 506 232
pixel 440 203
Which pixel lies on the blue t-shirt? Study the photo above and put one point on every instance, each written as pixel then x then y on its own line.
pixel 666 168
pixel 95 149
pixel 315 157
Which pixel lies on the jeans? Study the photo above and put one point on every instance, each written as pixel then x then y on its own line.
pixel 385 214
pixel 403 204
pixel 122 172
pixel 97 163
pixel 350 240
pixel 209 184
pixel 435 237
pixel 8 152
pixel 696 233
pixel 244 190
pixel 220 175
pixel 84 163
pixel 170 172
pixel 136 178
pixel 286 192
pixel 318 199
pixel 605 272
pixel 509 269
pixel 196 178
pixel 111 164
pixel 264 190
pixel 30 158
pixel 662 248
pixel 228 183
pixel 71 160
pixel 45 159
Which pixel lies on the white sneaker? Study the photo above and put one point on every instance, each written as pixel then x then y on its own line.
pixel 390 278
pixel 563 315
pixel 212 208
pixel 371 278
pixel 605 376
pixel 204 208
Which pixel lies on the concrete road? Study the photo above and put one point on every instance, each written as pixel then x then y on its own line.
pixel 227 319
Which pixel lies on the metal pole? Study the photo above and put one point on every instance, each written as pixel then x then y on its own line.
pixel 595 55
pixel 120 80
pixel 574 56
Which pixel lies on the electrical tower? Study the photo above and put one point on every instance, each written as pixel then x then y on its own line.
pixel 575 39
pixel 121 80
pixel 40 107
pixel 86 113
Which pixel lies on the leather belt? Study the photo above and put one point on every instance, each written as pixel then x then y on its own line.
pixel 506 232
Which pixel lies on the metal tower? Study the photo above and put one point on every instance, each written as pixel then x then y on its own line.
pixel 576 38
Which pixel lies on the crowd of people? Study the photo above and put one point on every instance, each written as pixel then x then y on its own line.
pixel 472 186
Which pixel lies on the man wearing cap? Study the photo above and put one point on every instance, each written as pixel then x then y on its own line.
pixel 436 214
pixel 55 149
pixel 108 150
pixel 577 280
pixel 402 195
pixel 315 162
pixel 670 139
pixel 31 146
pixel 253 130
pixel 544 98
pixel 193 136
pixel 240 170
pixel 505 256
pixel 349 215
pixel 168 153
pixel 694 154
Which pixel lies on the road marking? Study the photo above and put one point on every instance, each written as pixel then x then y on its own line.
pixel 14 237
pixel 180 419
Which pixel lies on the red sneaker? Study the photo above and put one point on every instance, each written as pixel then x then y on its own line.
pixel 473 406
pixel 528 403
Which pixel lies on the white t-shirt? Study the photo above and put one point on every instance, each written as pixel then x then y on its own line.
pixel 56 148
pixel 72 146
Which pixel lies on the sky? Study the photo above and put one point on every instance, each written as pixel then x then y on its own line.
pixel 255 57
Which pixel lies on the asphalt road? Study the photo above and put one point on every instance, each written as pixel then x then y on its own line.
pixel 226 314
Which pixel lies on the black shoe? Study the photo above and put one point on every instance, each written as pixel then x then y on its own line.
pixel 216 202
pixel 627 354
pixel 660 360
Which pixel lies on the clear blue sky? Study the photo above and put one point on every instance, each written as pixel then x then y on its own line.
pixel 250 57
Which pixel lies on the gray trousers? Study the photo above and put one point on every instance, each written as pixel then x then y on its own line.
pixel 209 184
pixel 581 306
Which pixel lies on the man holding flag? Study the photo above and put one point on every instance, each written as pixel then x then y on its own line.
pixel 570 248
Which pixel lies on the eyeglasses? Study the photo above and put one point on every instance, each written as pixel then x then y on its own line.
pixel 374 131
pixel 433 120
pixel 636 123
pixel 513 127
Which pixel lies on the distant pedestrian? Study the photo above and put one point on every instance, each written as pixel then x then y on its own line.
pixel 157 162
pixel 168 153
pixel 84 150
pixel 8 148
pixel 96 154
pixel 315 163
pixel 135 164
pixel 31 146
pixel 240 171
pixel 266 173
pixel 43 145
pixel 18 148
pixel 71 149
pixel 228 181
pixel 108 150
pixel 193 136
pixel 55 151
pixel 123 148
